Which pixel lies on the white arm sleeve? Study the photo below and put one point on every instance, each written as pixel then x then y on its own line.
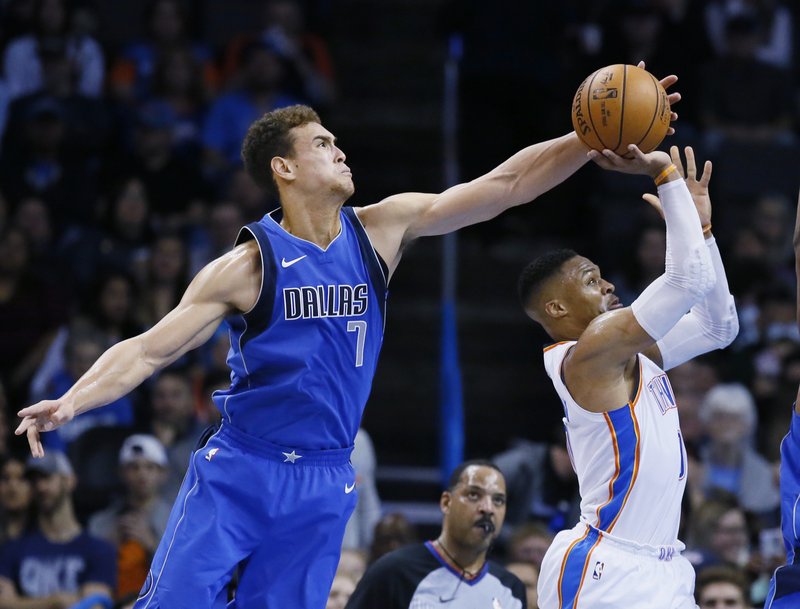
pixel 689 272
pixel 711 324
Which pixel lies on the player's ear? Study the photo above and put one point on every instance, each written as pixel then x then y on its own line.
pixel 282 168
pixel 555 309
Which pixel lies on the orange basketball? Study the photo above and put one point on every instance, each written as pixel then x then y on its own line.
pixel 620 105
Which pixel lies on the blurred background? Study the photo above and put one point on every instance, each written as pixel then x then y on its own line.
pixel 120 178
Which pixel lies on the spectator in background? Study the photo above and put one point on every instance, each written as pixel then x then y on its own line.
pixel 30 312
pixel 528 574
pixel 58 563
pixel 542 485
pixel 648 263
pixel 307 58
pixel 108 308
pixel 729 461
pixel 244 192
pixel 165 21
pixel 719 534
pixel 766 113
pixel 776 28
pixel 33 217
pixel 82 349
pixel 361 526
pixel 341 590
pixel 218 235
pixel 23 66
pixel 528 544
pixel 175 188
pixel 135 522
pixel 42 167
pixel 88 121
pixel 165 279
pixel 174 424
pixel 16 500
pixel 392 532
pixel 262 89
pixel 352 564
pixel 453 570
pixel 178 82
pixel 722 587
pixel 120 243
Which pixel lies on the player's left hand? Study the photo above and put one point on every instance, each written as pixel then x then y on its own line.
pixel 698 187
pixel 673 97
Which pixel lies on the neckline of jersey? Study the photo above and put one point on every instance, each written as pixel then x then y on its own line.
pixel 282 231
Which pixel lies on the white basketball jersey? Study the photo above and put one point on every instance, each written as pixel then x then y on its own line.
pixel 630 461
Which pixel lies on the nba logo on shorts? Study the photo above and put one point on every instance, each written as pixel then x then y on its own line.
pixel 662 392
pixel 598 570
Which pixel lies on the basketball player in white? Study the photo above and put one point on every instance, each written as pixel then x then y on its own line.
pixel 619 409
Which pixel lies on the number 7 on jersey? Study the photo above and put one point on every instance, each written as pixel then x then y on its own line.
pixel 360 328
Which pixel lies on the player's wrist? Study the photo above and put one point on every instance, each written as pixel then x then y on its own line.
pixel 665 173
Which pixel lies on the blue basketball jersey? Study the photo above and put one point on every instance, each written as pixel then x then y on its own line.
pixel 303 358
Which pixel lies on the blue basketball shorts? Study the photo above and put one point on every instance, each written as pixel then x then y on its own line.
pixel 277 511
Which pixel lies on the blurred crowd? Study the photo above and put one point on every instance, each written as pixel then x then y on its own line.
pixel 120 177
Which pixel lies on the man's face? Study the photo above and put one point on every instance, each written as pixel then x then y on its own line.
pixel 583 291
pixel 475 509
pixel 318 163
pixel 15 488
pixel 51 491
pixel 722 595
pixel 143 478
pixel 172 399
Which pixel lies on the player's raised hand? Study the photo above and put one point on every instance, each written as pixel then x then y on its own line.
pixel 673 97
pixel 698 186
pixel 43 416
pixel 636 162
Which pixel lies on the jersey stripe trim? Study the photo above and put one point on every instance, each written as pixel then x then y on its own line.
pixel 573 568
pixel 258 318
pixel 625 438
pixel 375 265
pixel 554 345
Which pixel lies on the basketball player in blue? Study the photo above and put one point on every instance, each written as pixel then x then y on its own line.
pixel 784 590
pixel 620 415
pixel 304 291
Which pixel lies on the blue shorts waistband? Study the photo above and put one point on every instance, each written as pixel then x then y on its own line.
pixel 285 454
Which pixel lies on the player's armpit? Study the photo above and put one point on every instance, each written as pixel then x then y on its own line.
pixel 229 283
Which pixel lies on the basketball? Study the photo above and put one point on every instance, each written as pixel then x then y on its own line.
pixel 620 105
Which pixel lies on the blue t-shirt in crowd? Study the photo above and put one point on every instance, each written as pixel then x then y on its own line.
pixel 39 567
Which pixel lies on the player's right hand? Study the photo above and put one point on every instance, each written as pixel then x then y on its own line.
pixel 43 416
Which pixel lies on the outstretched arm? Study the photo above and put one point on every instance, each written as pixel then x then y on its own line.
pixel 227 284
pixel 606 351
pixel 712 323
pixel 400 219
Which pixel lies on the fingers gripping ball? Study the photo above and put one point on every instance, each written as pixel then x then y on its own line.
pixel 620 105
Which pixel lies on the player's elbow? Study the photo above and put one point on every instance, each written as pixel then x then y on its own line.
pixel 695 276
pixel 731 327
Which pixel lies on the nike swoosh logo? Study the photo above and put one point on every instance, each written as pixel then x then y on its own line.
pixel 348 488
pixel 287 263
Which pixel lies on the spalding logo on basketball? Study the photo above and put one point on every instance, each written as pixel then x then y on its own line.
pixel 620 105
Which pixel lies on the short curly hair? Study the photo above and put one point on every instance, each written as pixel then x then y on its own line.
pixel 269 137
pixel 540 270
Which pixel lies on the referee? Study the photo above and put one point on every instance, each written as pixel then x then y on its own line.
pixel 451 571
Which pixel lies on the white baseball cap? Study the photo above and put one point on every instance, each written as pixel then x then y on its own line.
pixel 143 446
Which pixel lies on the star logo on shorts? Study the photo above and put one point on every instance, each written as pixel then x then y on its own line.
pixel 291 457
